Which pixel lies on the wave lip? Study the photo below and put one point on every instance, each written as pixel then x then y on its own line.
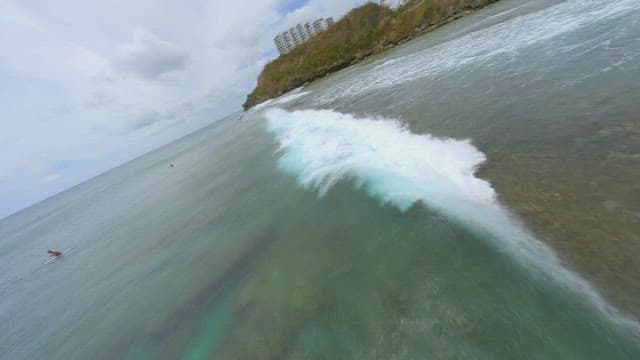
pixel 395 166
pixel 321 147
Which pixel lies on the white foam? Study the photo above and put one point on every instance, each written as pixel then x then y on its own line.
pixel 321 147
pixel 262 105
pixel 288 97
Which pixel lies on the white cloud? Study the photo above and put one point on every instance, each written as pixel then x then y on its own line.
pixel 13 16
pixel 302 15
pixel 49 178
pixel 149 57
pixel 146 119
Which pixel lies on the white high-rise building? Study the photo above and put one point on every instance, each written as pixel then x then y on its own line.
pixel 394 4
pixel 300 34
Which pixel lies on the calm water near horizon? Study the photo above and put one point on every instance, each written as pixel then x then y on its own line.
pixel 391 210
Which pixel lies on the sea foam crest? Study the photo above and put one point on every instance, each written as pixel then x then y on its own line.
pixel 321 147
pixel 392 164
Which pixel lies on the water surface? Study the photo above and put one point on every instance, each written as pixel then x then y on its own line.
pixel 349 220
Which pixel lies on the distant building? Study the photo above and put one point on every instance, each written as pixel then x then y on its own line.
pixel 393 3
pixel 300 34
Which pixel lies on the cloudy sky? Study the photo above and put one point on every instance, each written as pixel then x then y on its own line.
pixel 87 85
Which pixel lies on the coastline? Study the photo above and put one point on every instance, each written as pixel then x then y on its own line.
pixel 260 94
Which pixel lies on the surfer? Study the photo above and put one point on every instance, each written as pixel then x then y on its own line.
pixel 55 253
pixel 170 165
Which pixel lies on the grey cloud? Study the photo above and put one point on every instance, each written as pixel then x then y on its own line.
pixel 244 37
pixel 103 78
pixel 149 57
pixel 99 99
pixel 146 119
pixel 61 110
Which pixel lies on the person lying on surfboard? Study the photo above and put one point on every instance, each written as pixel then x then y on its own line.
pixel 54 253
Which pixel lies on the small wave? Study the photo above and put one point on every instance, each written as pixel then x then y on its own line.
pixel 262 105
pixel 288 97
pixel 322 147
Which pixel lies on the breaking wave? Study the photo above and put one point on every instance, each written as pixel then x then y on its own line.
pixel 322 147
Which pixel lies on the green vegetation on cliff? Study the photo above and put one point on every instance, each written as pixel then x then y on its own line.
pixel 364 31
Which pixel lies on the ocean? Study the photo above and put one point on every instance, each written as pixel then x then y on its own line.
pixel 441 200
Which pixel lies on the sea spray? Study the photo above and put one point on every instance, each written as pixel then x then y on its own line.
pixel 322 147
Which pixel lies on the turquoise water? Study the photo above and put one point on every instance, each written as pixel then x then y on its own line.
pixel 329 223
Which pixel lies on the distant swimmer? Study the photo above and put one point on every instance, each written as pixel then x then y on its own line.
pixel 54 253
pixel 170 165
